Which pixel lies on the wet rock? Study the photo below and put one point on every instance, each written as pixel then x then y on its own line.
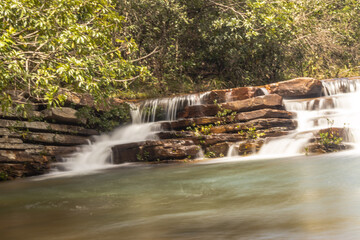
pixel 297 88
pixel 218 150
pixel 250 147
pixel 63 115
pixel 196 111
pixel 318 148
pixel 154 151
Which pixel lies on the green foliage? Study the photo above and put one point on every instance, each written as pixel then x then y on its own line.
pixel 200 129
pixel 78 45
pixel 251 133
pixel 144 156
pixel 330 138
pixel 203 44
pixel 143 48
pixel 105 121
pixel 210 154
pixel 3 176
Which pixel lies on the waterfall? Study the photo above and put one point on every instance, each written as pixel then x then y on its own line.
pixel 163 108
pixel 338 105
pixel 144 115
pixel 337 108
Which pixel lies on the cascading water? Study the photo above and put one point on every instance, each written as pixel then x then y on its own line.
pixel 338 108
pixel 98 155
pixel 164 108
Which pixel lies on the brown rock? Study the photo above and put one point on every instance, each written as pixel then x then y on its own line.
pixel 54 139
pixel 62 115
pixel 259 124
pixel 250 147
pixel 207 140
pixel 218 150
pixel 234 94
pixel 195 111
pixel 296 88
pixel 263 113
pixel 317 148
pixel 79 99
pixel 266 101
pixel 154 150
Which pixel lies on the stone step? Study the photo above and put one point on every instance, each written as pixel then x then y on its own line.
pixel 155 151
pixel 272 101
pixel 296 88
pixel 240 117
pixel 46 127
pixel 54 139
pixel 258 124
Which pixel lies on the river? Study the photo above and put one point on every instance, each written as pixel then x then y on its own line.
pixel 305 197
pixel 278 194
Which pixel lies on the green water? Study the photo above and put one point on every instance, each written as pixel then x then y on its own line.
pixel 292 198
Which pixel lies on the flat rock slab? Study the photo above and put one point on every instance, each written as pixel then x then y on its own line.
pixel 63 115
pixel 296 88
pixel 54 139
pixel 258 124
pixel 240 117
pixel 47 127
pixel 272 101
pixel 233 94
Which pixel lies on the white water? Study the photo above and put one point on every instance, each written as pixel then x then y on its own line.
pixel 98 155
pixel 164 108
pixel 338 108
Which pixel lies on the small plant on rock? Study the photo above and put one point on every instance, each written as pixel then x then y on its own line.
pixel 251 133
pixel 330 138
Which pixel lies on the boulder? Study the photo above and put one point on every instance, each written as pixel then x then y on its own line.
pixel 296 88
pixel 63 115
pixel 154 151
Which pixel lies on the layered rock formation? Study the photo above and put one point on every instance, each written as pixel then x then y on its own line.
pixel 243 117
pixel 30 144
